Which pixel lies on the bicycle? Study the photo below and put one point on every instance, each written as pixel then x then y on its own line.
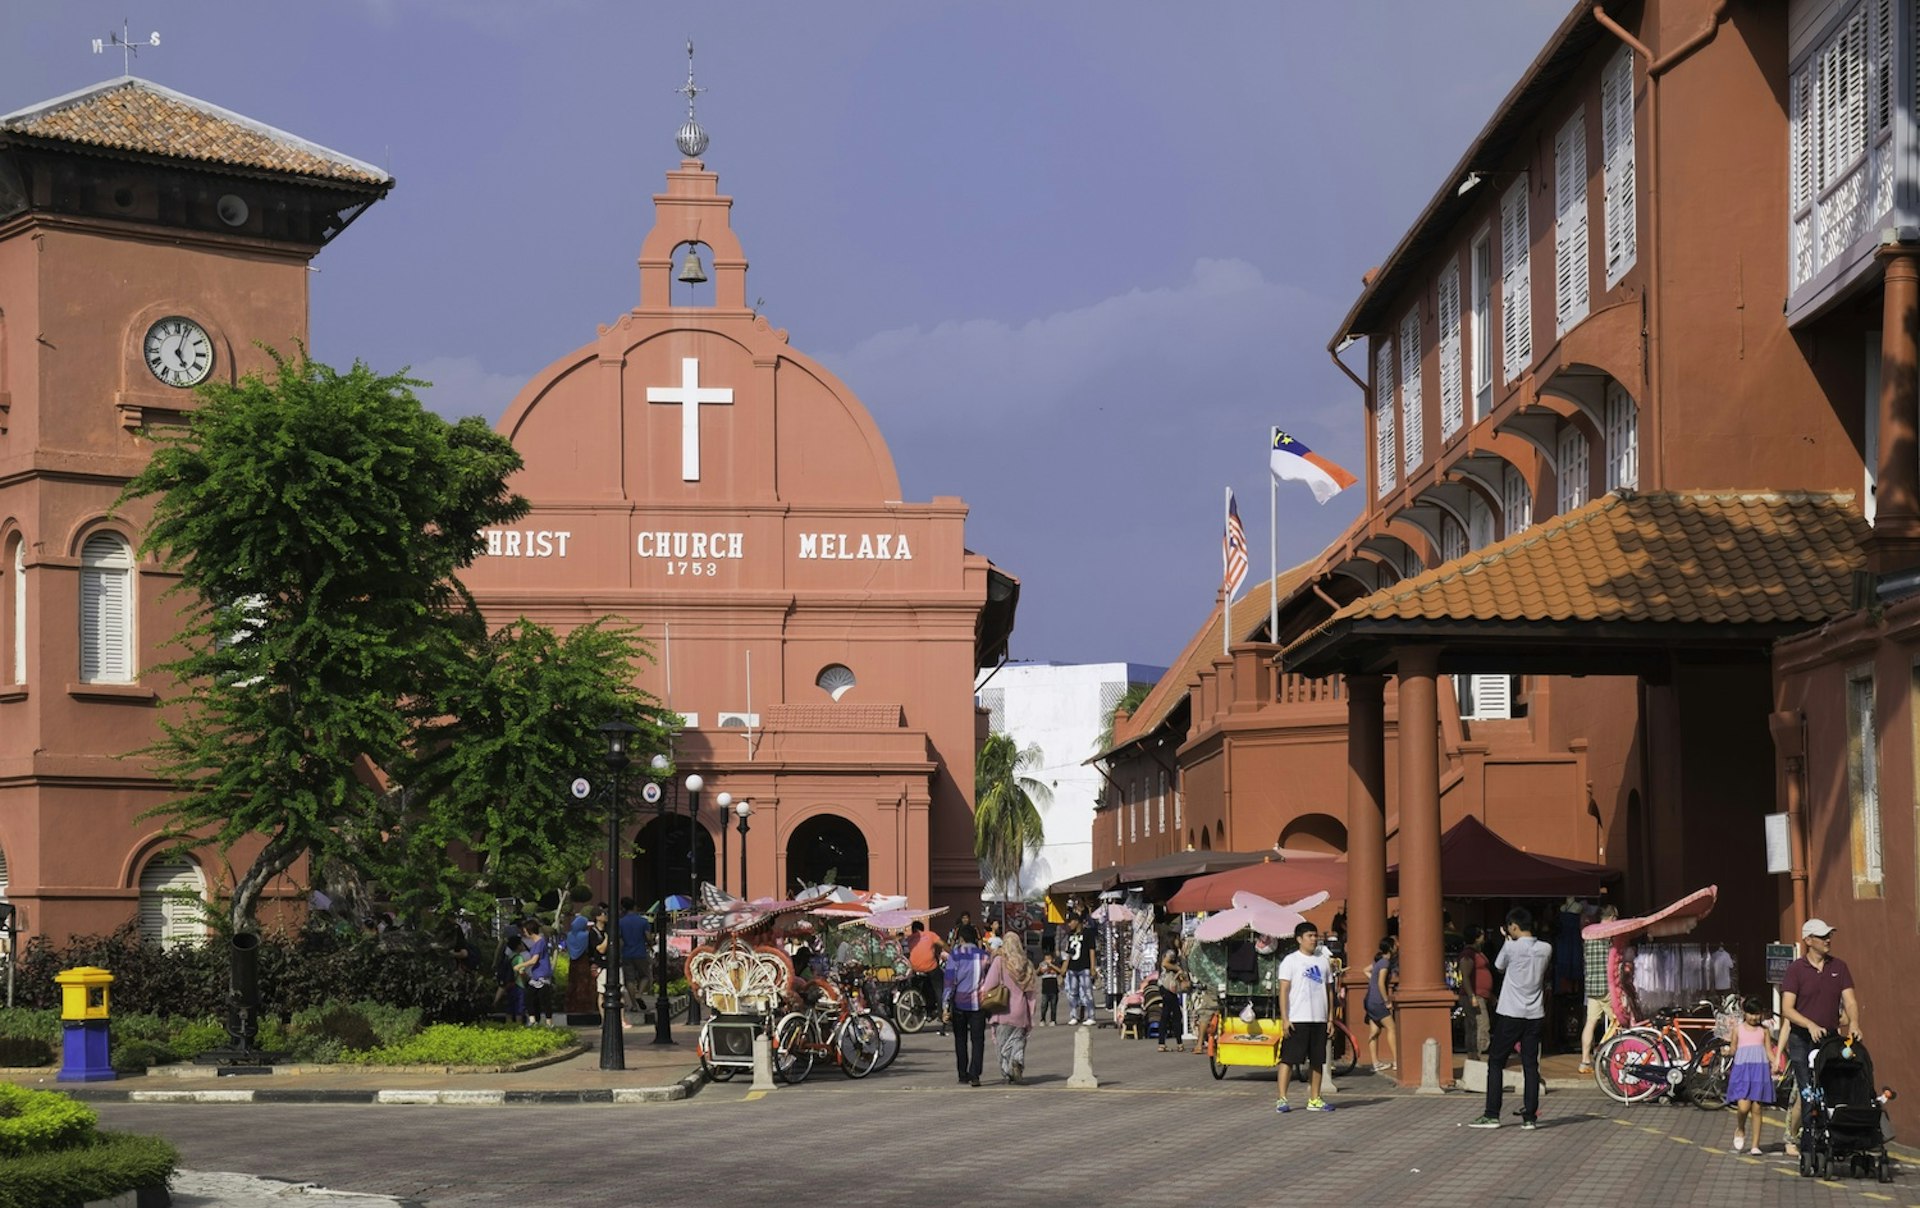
pixel 1643 1061
pixel 853 1041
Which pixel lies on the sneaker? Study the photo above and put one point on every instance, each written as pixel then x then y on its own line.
pixel 1319 1105
pixel 1283 1107
pixel 1484 1122
pixel 1087 1022
pixel 1528 1126
pixel 1586 1067
pixel 1739 1142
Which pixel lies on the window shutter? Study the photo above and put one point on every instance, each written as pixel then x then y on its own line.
pixel 1616 149
pixel 1479 524
pixel 1623 439
pixel 1452 406
pixel 1516 503
pixel 1492 697
pixel 3 876
pixel 1573 469
pixel 1385 462
pixel 167 916
pixel 1516 293
pixel 1571 260
pixel 106 610
pixel 1453 540
pixel 1413 426
pixel 20 612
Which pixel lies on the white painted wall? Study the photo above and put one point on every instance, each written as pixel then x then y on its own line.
pixel 1061 707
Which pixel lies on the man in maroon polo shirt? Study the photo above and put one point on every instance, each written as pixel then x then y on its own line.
pixel 1816 994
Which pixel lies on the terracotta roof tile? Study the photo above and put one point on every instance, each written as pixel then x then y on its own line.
pixel 1740 557
pixel 134 115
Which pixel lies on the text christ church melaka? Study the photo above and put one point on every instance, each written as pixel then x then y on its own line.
pixel 691 474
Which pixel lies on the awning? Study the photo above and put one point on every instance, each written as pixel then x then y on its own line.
pixel 1476 863
pixel 1284 880
pixel 1187 864
pixel 1097 881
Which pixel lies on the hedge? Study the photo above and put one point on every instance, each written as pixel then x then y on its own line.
pixel 112 1164
pixel 445 1044
pixel 39 1121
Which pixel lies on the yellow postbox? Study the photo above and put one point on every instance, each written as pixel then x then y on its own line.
pixel 83 992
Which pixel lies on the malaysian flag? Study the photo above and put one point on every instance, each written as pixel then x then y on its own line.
pixel 1233 548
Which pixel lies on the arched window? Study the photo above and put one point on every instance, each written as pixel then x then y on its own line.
pixel 3 874
pixel 171 894
pixel 17 609
pixel 106 610
pixel 1623 438
pixel 834 680
pixel 827 848
pixel 1572 469
pixel 1516 503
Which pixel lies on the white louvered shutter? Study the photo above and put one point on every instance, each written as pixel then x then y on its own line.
pixel 1413 426
pixel 20 612
pixel 1616 150
pixel 1623 439
pixel 1516 290
pixel 1516 503
pixel 1452 397
pixel 170 892
pixel 1572 263
pixel 1453 540
pixel 1479 524
pixel 1492 697
pixel 3 875
pixel 1386 463
pixel 106 610
pixel 1573 469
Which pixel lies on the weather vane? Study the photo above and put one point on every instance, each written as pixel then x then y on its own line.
pixel 692 140
pixel 128 48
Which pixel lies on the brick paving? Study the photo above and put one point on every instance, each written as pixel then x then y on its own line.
pixel 1159 1129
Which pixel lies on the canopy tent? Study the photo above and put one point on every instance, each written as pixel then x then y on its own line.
pixel 1477 863
pixel 1087 882
pixel 1293 876
pixel 1177 865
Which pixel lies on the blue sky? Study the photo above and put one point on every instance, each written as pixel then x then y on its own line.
pixel 1075 256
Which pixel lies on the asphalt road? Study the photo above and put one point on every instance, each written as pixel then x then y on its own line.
pixel 1159 1131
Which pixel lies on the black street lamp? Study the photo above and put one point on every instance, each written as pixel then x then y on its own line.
pixel 662 1026
pixel 613 1051
pixel 694 784
pixel 743 810
pixel 10 923
pixel 725 803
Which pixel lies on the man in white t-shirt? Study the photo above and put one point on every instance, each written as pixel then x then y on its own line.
pixel 1523 1005
pixel 1306 1000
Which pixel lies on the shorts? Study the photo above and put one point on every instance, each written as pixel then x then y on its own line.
pixel 1305 1044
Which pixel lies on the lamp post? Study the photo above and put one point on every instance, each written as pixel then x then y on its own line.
pixel 694 785
pixel 725 803
pixel 10 923
pixel 613 1050
pixel 662 1026
pixel 743 810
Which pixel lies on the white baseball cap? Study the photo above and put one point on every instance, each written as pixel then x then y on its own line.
pixel 1816 928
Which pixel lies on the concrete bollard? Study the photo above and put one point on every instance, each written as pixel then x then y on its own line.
pixel 762 1064
pixel 1430 1067
pixel 1083 1079
pixel 1327 1086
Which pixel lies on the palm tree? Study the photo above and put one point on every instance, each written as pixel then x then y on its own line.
pixel 1130 700
pixel 1006 821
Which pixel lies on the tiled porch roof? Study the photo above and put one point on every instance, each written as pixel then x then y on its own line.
pixel 133 115
pixel 1694 557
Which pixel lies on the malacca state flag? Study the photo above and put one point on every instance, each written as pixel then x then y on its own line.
pixel 1292 461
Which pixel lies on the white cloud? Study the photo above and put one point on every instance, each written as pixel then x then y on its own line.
pixel 463 386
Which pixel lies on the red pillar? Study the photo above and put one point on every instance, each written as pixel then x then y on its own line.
pixel 1424 1005
pixel 1896 523
pixel 1366 834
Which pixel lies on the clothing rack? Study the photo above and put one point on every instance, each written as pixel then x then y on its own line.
pixel 1676 973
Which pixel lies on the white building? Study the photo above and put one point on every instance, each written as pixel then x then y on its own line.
pixel 1062 708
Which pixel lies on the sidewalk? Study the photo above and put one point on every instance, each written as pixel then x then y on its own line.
pixel 654 1074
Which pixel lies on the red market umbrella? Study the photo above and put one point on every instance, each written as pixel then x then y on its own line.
pixel 1285 880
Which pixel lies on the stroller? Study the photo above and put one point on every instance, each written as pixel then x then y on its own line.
pixel 1843 1118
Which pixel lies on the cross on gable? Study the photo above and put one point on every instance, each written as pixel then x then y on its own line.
pixel 689 395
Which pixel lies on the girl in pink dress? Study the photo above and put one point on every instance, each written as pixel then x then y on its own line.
pixel 1750 1079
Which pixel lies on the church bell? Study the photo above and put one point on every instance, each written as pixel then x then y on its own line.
pixel 691 270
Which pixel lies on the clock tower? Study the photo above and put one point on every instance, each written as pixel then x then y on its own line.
pixel 149 242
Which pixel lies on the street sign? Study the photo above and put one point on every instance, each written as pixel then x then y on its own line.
pixel 650 793
pixel 1779 858
pixel 581 787
pixel 1779 956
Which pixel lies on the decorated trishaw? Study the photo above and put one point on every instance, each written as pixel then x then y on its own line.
pixel 1234 961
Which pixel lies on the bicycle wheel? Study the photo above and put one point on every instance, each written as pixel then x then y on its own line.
pixel 1710 1091
pixel 910 1010
pixel 1341 1049
pixel 792 1048
pixel 859 1045
pixel 889 1040
pixel 1616 1063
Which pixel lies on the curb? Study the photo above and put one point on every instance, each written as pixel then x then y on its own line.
pixel 685 1088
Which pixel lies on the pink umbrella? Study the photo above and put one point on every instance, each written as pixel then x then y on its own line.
pixel 1676 919
pixel 1252 912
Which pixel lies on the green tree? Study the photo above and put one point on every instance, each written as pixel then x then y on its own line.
pixel 1129 700
pixel 316 520
pixel 1006 818
pixel 514 724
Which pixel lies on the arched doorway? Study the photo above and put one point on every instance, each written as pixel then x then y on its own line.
pixel 827 848
pixel 1315 832
pixel 668 838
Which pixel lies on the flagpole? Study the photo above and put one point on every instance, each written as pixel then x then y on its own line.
pixel 1273 549
pixel 1226 593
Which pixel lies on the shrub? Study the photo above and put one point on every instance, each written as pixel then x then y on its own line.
pixel 109 1164
pixel 195 1036
pixel 24 1050
pixel 390 1024
pixel 476 1044
pixel 137 1056
pixel 28 1024
pixel 346 1026
pixel 39 1121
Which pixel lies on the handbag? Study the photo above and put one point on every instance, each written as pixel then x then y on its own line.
pixel 997 1001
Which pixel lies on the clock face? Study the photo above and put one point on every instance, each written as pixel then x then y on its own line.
pixel 179 351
